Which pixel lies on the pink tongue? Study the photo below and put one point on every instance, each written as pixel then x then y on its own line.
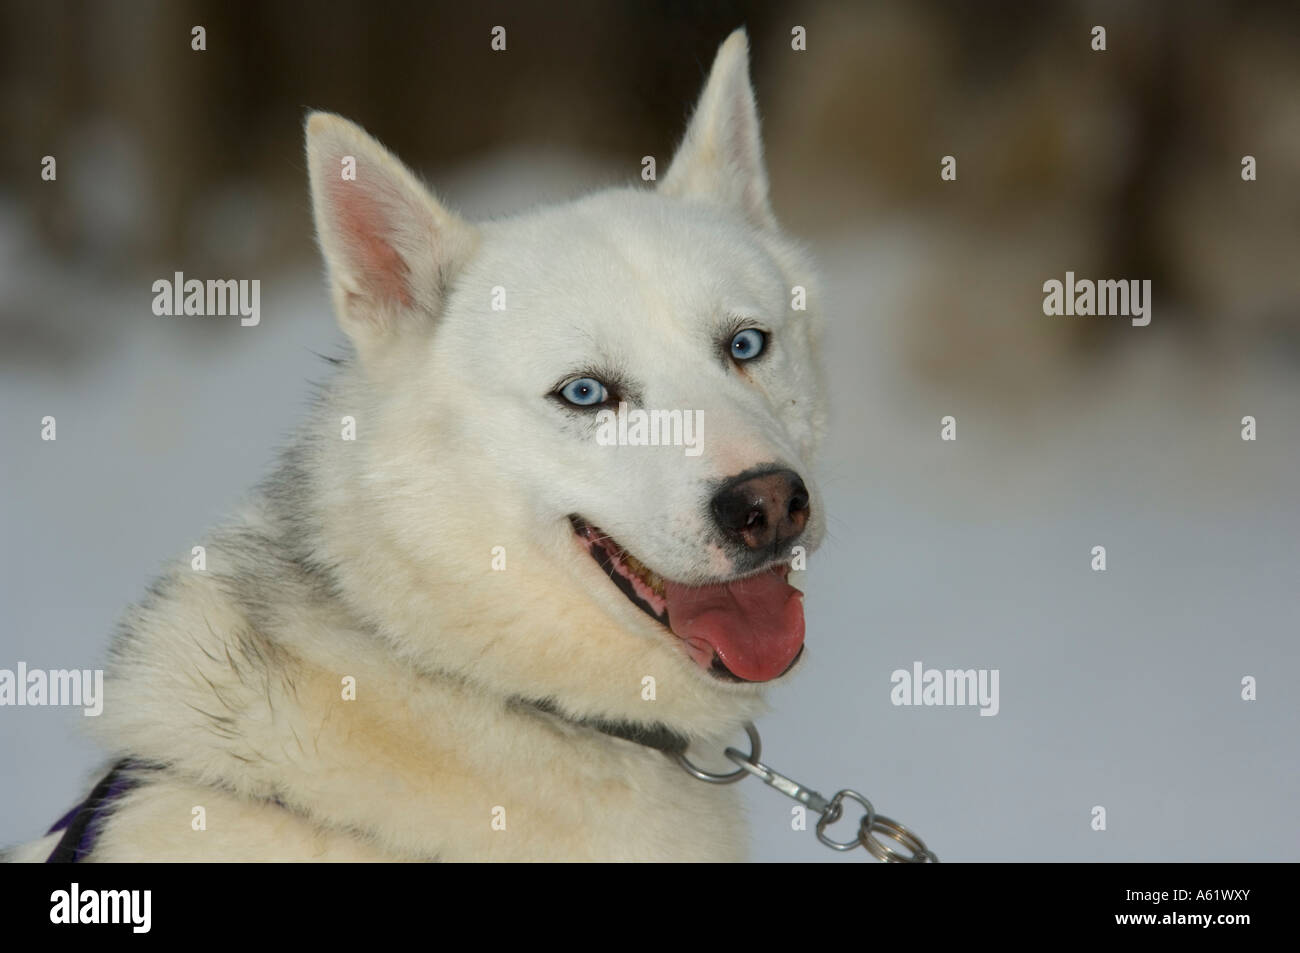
pixel 755 625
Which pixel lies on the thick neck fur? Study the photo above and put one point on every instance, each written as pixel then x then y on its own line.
pixel 235 675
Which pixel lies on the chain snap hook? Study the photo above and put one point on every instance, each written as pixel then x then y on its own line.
pixel 830 811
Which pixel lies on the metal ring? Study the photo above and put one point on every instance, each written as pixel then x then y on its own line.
pixel 755 749
pixel 899 834
pixel 832 814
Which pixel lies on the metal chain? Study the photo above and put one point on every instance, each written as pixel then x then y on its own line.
pixel 831 810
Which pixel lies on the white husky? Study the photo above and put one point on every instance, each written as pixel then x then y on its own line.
pixel 457 635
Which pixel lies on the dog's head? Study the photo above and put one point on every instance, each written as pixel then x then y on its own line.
pixel 584 432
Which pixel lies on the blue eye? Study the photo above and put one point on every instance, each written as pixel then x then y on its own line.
pixel 748 344
pixel 584 392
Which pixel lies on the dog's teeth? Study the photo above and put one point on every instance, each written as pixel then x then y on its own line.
pixel 644 573
pixel 628 564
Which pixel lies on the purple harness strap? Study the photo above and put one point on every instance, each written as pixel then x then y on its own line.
pixel 82 824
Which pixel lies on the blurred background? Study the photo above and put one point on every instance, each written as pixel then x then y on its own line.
pixel 1119 689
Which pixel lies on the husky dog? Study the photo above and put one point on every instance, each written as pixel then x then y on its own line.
pixel 463 634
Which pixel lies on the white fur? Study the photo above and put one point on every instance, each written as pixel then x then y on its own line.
pixel 232 678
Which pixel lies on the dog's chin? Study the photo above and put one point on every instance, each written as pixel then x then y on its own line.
pixel 744 630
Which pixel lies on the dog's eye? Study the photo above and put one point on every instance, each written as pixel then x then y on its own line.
pixel 584 392
pixel 748 344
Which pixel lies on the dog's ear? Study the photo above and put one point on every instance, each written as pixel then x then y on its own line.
pixel 391 248
pixel 721 158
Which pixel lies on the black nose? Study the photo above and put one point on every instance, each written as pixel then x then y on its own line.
pixel 762 511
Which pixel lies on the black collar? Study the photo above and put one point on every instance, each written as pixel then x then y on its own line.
pixel 652 735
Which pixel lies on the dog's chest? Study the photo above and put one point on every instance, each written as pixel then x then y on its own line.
pixel 647 811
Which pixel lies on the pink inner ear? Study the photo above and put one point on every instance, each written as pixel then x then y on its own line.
pixel 364 228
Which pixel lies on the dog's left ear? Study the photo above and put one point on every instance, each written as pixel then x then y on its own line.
pixel 391 247
pixel 721 158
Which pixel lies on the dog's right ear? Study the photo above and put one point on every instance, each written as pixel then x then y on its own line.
pixel 390 247
pixel 721 158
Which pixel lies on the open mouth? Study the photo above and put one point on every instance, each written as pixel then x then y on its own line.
pixel 745 630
